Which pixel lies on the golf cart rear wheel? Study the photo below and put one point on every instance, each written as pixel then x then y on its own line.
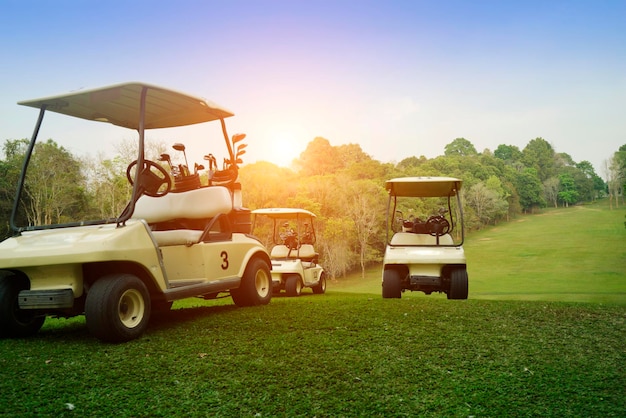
pixel 320 287
pixel 117 308
pixel 256 285
pixel 392 288
pixel 16 322
pixel 458 284
pixel 293 286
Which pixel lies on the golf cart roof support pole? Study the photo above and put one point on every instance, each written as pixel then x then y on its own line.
pixel 20 181
pixel 230 148
pixel 389 215
pixel 128 211
pixel 460 205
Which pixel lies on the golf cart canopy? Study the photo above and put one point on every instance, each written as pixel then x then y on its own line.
pixel 423 186
pixel 120 105
pixel 283 213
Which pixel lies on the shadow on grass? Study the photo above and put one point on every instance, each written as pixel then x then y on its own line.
pixel 74 329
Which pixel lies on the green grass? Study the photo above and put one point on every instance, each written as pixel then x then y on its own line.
pixel 350 353
pixel 575 254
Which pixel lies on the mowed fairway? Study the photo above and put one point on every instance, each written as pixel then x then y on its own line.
pixel 568 254
pixel 351 353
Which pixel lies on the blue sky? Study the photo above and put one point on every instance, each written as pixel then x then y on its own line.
pixel 399 78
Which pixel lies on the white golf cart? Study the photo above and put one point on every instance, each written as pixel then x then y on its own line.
pixel 425 252
pixel 176 238
pixel 294 260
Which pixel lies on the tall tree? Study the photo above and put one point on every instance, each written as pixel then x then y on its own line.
pixel 10 168
pixel 335 247
pixel 530 189
pixel 107 185
pixel 365 206
pixel 319 158
pixel 567 190
pixel 461 147
pixel 508 153
pixel 551 190
pixel 540 155
pixel 54 185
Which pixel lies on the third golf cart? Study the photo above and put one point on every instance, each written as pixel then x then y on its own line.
pixel 425 251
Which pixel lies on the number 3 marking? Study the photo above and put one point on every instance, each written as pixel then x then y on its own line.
pixel 224 256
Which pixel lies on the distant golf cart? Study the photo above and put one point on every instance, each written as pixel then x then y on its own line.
pixel 294 260
pixel 177 236
pixel 425 252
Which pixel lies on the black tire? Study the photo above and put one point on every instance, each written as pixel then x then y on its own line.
pixel 117 308
pixel 458 284
pixel 293 286
pixel 320 287
pixel 392 287
pixel 16 322
pixel 256 285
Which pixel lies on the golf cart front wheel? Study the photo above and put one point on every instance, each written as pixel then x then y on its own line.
pixel 320 287
pixel 392 287
pixel 117 308
pixel 293 286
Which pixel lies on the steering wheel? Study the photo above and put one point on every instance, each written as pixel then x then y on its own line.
pixel 437 226
pixel 149 179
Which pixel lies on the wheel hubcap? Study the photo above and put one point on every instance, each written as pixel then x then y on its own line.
pixel 262 284
pixel 131 308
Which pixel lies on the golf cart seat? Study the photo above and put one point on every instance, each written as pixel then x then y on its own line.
pixel 280 251
pixel 307 253
pixel 198 204
pixel 410 238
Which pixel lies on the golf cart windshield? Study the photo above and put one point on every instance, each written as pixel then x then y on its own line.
pixel 57 188
pixel 289 226
pixel 424 211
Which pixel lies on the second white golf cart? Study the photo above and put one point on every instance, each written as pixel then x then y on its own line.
pixel 425 252
pixel 291 234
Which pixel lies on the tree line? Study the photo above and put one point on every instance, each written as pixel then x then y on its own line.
pixel 342 185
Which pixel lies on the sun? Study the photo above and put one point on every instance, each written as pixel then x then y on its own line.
pixel 284 147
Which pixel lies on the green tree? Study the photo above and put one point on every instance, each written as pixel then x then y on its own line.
pixel 530 190
pixel 108 188
pixel 410 163
pixel 461 147
pixel 598 185
pixel 567 191
pixel 10 168
pixel 540 155
pixel 508 153
pixel 54 186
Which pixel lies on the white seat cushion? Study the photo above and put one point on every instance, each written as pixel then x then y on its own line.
pixel 177 237
pixel 206 202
